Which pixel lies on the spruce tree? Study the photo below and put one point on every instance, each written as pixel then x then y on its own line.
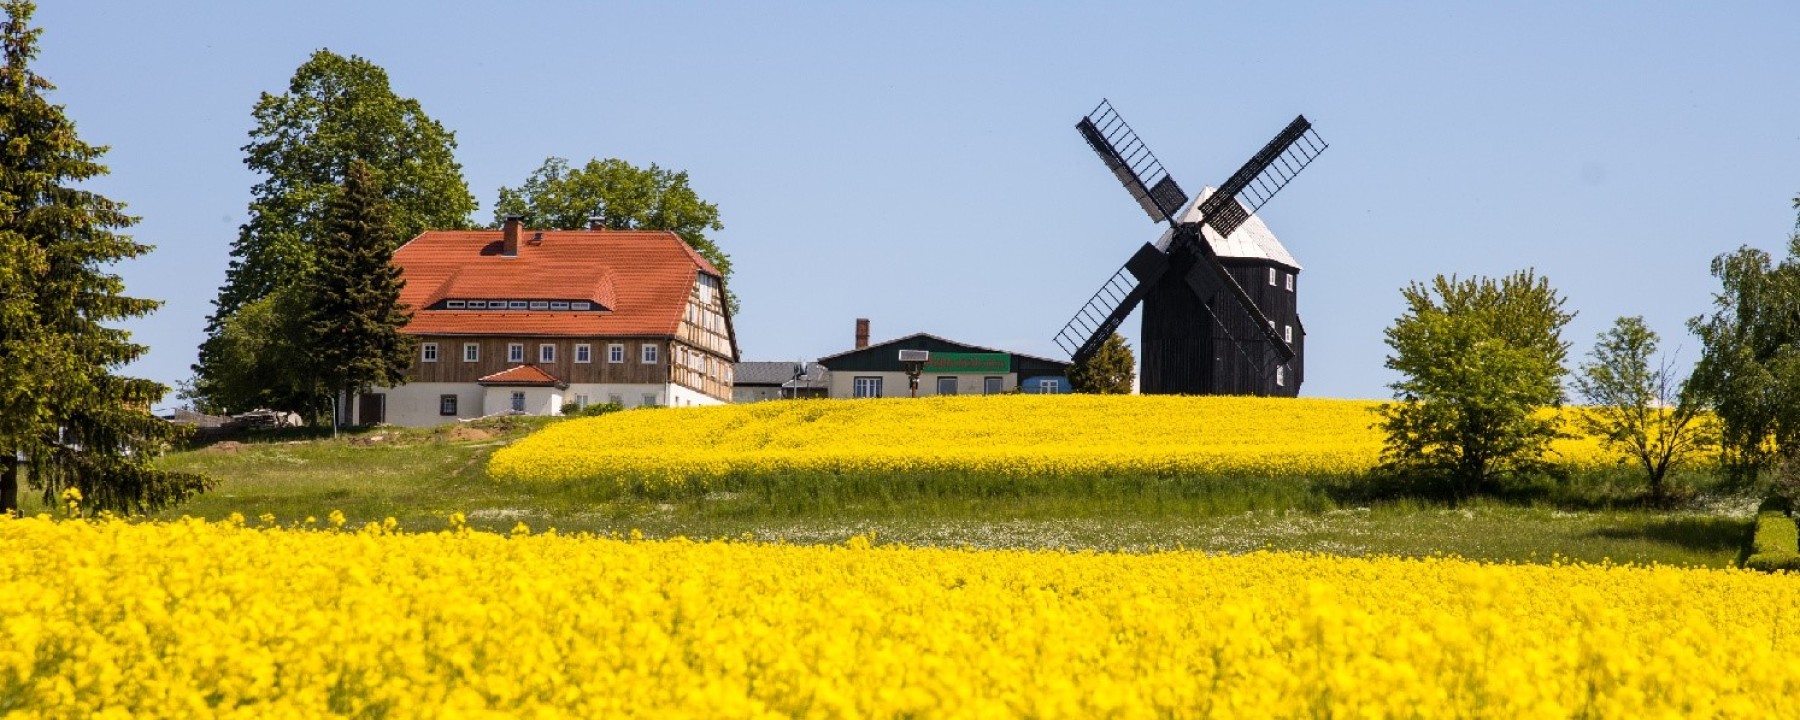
pixel 355 316
pixel 74 422
pixel 1109 372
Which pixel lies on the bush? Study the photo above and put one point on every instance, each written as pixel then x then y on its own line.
pixel 1776 545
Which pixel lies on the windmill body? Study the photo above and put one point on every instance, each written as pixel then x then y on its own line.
pixel 1219 291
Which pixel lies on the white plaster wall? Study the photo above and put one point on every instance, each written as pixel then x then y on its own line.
pixel 895 384
pixel 538 400
pixel 754 393
pixel 630 394
pixel 681 396
pixel 416 404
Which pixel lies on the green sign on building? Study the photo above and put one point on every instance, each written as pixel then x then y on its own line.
pixel 973 363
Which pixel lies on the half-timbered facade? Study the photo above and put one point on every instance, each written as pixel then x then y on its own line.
pixel 520 320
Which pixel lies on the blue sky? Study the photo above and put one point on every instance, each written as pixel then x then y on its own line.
pixel 916 163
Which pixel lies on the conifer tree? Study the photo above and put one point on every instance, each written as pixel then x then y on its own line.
pixel 355 316
pixel 1109 372
pixel 74 422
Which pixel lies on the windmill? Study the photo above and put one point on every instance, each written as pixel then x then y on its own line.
pixel 1217 288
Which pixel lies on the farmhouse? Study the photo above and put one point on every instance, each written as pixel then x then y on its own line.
pixel 519 320
pixel 871 371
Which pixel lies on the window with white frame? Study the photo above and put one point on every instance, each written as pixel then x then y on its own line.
pixel 546 353
pixel 992 385
pixel 865 387
pixel 471 352
pixel 428 352
pixel 584 353
pixel 454 304
pixel 515 352
pixel 581 401
pixel 616 399
pixel 648 354
pixel 1287 333
pixel 559 305
pixel 580 305
pixel 1280 376
pixel 518 401
pixel 477 304
pixel 1290 282
pixel 1274 276
pixel 540 305
pixel 649 400
pixel 517 305
pixel 615 353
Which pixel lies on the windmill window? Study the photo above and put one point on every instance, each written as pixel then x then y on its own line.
pixel 584 353
pixel 540 305
pixel 1287 333
pixel 559 306
pixel 515 352
pixel 580 305
pixel 477 304
pixel 546 353
pixel 454 305
pixel 1290 282
pixel 1280 376
pixel 1274 276
pixel 516 305
pixel 471 352
pixel 428 352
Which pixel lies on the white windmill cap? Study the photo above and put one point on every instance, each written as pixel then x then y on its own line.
pixel 1253 239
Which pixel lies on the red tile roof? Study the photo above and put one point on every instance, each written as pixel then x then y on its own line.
pixel 521 375
pixel 642 278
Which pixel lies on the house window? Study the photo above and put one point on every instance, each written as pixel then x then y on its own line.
pixel 546 353
pixel 1049 385
pixel 515 352
pixel 866 387
pixel 649 399
pixel 428 352
pixel 993 385
pixel 946 386
pixel 471 352
pixel 1274 276
pixel 496 304
pixel 518 401
pixel 446 404
pixel 1290 282
pixel 540 305
pixel 616 399
pixel 581 401
pixel 1280 376
pixel 615 353
pixel 584 353
pixel 580 306
pixel 477 304
pixel 1287 333
pixel 454 305
pixel 559 306
pixel 516 305
pixel 649 354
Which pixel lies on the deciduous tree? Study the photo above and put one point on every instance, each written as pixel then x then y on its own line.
pixel 624 197
pixel 337 109
pixel 1108 372
pixel 1639 409
pixel 74 421
pixel 1478 359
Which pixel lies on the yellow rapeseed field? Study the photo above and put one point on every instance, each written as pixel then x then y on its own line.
pixel 189 619
pixel 1030 435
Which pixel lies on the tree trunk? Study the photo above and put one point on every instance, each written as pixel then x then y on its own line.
pixel 9 483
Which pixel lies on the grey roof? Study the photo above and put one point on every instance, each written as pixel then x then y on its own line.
pixel 779 372
pixel 1253 239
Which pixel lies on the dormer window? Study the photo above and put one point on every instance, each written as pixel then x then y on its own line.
pixel 540 305
pixel 580 306
pixel 454 305
pixel 559 306
pixel 516 305
pixel 477 304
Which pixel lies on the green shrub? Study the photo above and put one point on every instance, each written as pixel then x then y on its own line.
pixel 1776 544
pixel 600 409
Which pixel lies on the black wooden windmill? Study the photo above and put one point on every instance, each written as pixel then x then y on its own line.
pixel 1217 288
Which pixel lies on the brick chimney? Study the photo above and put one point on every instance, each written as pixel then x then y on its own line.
pixel 596 222
pixel 862 333
pixel 509 229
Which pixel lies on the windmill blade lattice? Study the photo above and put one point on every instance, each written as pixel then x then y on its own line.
pixel 1267 172
pixel 1131 161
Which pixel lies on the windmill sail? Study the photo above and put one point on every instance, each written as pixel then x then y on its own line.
pixel 1131 161
pixel 1267 172
pixel 1101 316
